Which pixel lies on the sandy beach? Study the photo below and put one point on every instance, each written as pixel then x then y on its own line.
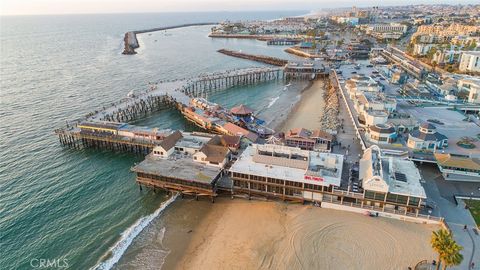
pixel 308 111
pixel 241 234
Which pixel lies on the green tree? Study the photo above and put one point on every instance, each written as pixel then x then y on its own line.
pixel 448 250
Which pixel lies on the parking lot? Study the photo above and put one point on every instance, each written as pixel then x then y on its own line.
pixel 453 126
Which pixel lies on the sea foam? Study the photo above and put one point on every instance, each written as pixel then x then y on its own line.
pixel 116 251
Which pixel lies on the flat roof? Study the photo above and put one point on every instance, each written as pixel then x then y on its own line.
pixel 459 162
pixel 390 174
pixel 178 166
pixel 311 173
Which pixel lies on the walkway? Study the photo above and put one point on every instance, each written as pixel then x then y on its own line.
pixel 456 216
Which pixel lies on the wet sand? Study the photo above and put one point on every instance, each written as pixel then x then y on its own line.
pixel 308 111
pixel 287 102
pixel 241 234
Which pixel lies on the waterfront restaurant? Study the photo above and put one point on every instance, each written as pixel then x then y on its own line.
pixel 284 172
pixel 189 163
pixel 390 183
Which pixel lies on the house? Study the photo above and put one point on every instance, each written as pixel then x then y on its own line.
pixel 212 155
pixel 166 147
pixel 472 86
pixel 305 139
pixel 426 137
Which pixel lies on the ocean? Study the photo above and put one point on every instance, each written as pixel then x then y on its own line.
pixel 82 208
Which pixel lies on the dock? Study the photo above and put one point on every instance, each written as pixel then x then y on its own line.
pixel 274 61
pixel 284 41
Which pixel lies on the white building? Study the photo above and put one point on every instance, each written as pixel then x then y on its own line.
pixel 205 149
pixel 472 86
pixel 426 137
pixel 390 183
pixel 470 61
pixel 422 49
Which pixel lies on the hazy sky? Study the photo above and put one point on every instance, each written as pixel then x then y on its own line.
pixel 14 7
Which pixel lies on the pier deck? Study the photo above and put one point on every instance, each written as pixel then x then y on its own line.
pixel 175 93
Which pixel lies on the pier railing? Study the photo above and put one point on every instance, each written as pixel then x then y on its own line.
pixel 172 93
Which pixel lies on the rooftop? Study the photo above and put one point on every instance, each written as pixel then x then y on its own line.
pixel 389 174
pixel 461 162
pixel 290 163
pixel 177 166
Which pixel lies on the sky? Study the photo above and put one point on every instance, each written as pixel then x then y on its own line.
pixel 35 7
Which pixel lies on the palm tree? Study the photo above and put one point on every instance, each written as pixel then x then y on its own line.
pixel 448 250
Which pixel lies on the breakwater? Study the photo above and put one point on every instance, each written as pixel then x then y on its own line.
pixel 130 39
pixel 258 58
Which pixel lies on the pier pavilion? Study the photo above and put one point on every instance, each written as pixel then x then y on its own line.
pixel 189 163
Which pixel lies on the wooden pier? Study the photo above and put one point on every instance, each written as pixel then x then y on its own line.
pixel 170 94
pixel 283 41
pixel 258 58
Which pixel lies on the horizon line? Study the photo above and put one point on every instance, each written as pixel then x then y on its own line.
pixel 230 11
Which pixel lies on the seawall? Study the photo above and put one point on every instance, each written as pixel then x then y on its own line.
pixel 259 58
pixel 131 42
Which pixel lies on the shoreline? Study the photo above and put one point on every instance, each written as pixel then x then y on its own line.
pixel 304 112
pixel 292 236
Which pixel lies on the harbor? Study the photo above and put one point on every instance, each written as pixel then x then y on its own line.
pixel 131 42
pixel 348 137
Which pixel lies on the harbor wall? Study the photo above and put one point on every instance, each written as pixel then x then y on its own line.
pixel 131 42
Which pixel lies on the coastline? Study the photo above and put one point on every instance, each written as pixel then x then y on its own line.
pixel 292 236
pixel 307 112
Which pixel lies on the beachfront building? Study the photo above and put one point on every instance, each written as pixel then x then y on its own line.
pixel 316 140
pixel 458 168
pixel 241 111
pixel 381 133
pixel 119 136
pixel 426 137
pixel 189 163
pixel 390 183
pixel 284 172
pixel 305 70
